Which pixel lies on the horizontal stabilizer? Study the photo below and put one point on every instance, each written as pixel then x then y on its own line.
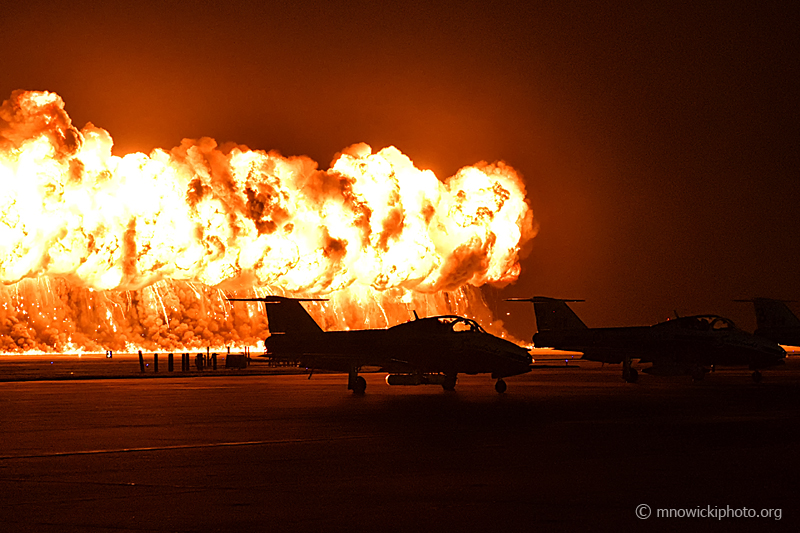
pixel 541 299
pixel 276 299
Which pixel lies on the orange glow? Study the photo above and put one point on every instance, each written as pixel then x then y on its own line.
pixel 104 251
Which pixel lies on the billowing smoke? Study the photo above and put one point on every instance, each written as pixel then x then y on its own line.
pixel 99 251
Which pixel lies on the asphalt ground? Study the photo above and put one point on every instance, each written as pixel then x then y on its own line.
pixel 55 367
pixel 573 449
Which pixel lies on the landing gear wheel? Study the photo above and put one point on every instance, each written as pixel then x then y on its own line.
pixel 698 373
pixel 756 376
pixel 359 385
pixel 500 386
pixel 630 375
pixel 449 383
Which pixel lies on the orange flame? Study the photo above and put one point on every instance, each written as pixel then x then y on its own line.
pixel 166 233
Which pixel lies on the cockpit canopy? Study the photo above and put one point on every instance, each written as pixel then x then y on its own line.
pixel 702 323
pixel 445 324
pixel 459 323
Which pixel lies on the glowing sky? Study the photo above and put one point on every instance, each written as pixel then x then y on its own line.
pixel 658 144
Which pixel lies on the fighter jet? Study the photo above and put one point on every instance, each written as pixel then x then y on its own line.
pixel 684 345
pixel 425 351
pixel 775 321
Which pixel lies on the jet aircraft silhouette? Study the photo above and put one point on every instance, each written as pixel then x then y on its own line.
pixel 775 321
pixel 684 345
pixel 424 351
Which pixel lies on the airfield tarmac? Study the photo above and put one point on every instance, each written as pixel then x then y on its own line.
pixel 563 450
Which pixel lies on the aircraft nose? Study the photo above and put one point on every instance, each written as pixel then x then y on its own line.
pixel 776 351
pixel 772 353
pixel 524 358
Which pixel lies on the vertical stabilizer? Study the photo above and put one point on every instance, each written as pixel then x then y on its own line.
pixel 775 321
pixel 553 314
pixel 774 314
pixel 287 316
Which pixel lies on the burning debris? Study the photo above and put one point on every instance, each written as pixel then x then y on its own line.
pixel 99 251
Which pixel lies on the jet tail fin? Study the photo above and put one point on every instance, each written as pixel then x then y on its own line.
pixel 772 314
pixel 287 316
pixel 553 314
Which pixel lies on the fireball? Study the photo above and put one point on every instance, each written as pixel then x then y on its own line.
pixel 100 251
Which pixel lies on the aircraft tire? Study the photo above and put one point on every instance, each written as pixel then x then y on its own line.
pixel 756 376
pixel 449 383
pixel 500 386
pixel 360 385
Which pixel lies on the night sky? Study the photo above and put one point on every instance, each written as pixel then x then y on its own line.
pixel 659 144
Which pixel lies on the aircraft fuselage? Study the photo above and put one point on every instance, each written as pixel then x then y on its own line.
pixel 403 348
pixel 667 341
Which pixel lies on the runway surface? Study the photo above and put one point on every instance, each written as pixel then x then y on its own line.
pixel 562 450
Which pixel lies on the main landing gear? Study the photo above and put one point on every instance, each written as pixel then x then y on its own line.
pixel 629 374
pixel 500 386
pixel 756 376
pixel 356 383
